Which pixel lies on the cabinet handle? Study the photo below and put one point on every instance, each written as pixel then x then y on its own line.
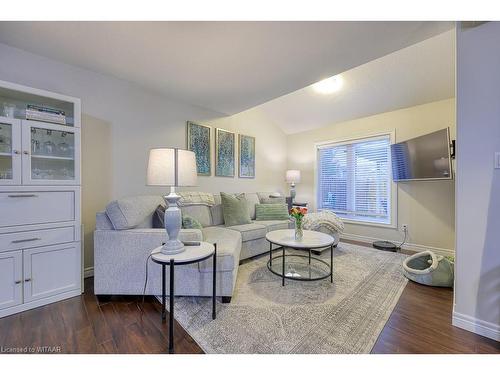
pixel 18 281
pixel 27 280
pixel 21 195
pixel 17 152
pixel 26 153
pixel 26 240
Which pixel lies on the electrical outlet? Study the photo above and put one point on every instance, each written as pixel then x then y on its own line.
pixel 404 227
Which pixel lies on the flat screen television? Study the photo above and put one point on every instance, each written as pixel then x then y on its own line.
pixel 423 158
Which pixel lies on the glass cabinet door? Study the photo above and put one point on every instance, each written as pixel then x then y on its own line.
pixel 51 154
pixel 10 155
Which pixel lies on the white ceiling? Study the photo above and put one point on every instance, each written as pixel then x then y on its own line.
pixel 421 73
pixel 224 66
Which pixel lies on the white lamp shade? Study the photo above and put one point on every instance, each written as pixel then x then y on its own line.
pixel 167 169
pixel 293 176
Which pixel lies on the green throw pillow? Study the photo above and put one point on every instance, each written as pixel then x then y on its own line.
pixel 234 209
pixel 189 222
pixel 271 211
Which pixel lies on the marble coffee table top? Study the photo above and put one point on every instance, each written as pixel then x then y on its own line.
pixel 310 240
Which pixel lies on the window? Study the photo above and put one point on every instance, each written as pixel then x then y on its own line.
pixel 354 179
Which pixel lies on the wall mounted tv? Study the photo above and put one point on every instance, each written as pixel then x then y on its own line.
pixel 423 158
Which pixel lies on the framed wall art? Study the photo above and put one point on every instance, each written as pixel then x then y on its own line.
pixel 246 159
pixel 224 152
pixel 198 140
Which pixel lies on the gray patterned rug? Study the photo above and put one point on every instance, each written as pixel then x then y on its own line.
pixel 301 317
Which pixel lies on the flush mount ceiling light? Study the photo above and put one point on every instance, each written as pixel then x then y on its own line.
pixel 329 85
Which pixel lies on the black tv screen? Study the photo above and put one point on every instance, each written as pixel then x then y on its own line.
pixel 423 158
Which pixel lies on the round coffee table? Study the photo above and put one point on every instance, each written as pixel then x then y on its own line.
pixel 298 266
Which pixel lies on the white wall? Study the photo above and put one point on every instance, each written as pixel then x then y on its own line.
pixel 427 207
pixel 138 120
pixel 477 282
pixel 270 150
pixel 97 188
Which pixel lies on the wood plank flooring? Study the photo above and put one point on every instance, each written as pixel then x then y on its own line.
pixel 420 323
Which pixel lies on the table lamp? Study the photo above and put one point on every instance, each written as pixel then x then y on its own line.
pixel 172 167
pixel 292 177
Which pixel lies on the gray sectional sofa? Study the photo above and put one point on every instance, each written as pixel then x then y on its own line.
pixel 124 238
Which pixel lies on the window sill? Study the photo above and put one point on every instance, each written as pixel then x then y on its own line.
pixel 368 223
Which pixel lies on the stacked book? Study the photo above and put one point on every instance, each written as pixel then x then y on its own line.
pixel 46 114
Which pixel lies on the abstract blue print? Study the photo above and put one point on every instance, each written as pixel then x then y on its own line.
pixel 224 153
pixel 247 156
pixel 198 140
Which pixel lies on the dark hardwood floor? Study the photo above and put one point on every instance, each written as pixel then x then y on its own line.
pixel 420 323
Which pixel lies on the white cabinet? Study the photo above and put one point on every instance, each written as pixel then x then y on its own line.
pixel 51 154
pixel 40 274
pixel 38 153
pixel 11 279
pixel 10 151
pixel 37 207
pixel 40 219
pixel 50 270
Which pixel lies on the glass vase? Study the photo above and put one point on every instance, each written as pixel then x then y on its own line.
pixel 298 230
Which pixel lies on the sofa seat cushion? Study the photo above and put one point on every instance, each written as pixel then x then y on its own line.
pixel 132 212
pixel 274 224
pixel 250 232
pixel 228 248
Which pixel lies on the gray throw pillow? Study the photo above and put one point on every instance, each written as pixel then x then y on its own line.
pixel 234 209
pixel 273 211
pixel 159 217
pixel 189 222
pixel 267 198
pixel 273 200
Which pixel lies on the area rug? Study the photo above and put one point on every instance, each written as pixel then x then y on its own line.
pixel 301 317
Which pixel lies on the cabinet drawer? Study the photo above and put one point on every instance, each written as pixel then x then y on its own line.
pixel 22 208
pixel 35 238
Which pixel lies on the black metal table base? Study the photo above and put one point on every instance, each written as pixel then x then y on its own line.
pixel 171 294
pixel 309 257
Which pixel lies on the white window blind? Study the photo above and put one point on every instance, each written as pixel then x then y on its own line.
pixel 354 179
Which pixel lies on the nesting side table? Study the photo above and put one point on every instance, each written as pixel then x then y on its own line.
pixel 192 254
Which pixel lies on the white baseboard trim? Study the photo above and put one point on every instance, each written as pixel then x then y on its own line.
pixel 406 246
pixel 475 325
pixel 88 272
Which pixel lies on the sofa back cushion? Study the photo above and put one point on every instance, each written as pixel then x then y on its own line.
pixel 216 211
pixel 200 212
pixel 252 200
pixel 132 212
pixel 235 209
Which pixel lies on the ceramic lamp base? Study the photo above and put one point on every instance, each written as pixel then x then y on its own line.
pixel 173 222
pixel 172 247
pixel 292 192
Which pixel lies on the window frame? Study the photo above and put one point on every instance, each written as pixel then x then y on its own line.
pixel 393 217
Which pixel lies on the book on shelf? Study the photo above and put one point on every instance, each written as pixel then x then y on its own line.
pixel 40 113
